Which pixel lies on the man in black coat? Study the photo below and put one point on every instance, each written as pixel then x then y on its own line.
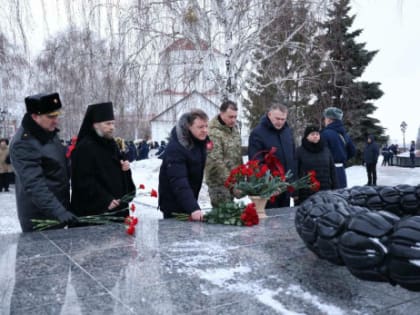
pixel 182 170
pixel 370 157
pixel 273 131
pixel 38 157
pixel 100 176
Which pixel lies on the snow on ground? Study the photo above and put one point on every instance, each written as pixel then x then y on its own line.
pixel 146 172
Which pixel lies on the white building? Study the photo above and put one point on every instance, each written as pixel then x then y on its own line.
pixel 162 124
pixel 187 82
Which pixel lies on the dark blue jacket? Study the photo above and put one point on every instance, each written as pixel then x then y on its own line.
pixel 371 151
pixel 265 136
pixel 338 141
pixel 181 173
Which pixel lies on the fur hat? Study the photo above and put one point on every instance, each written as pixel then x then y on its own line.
pixel 309 129
pixel 333 113
pixel 43 104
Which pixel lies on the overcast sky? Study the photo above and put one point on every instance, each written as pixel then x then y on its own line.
pixel 390 26
pixel 393 28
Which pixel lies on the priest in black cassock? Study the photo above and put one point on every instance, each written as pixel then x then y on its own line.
pixel 100 175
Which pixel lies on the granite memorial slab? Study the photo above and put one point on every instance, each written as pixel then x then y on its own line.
pixel 174 267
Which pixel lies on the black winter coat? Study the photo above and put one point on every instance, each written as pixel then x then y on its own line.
pixel 97 177
pixel 181 173
pixel 262 139
pixel 265 136
pixel 316 157
pixel 42 173
pixel 371 152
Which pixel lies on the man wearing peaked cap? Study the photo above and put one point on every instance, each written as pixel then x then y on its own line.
pixel 100 174
pixel 38 157
pixel 338 141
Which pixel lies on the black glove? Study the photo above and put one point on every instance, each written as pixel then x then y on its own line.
pixel 67 218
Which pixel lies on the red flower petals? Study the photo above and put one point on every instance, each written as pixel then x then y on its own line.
pixel 130 229
pixel 131 223
pixel 249 216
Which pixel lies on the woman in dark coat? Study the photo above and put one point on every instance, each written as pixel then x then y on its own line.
pixel 182 170
pixel 314 155
pixel 100 176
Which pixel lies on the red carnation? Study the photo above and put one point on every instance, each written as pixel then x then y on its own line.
pixel 131 229
pixel 290 189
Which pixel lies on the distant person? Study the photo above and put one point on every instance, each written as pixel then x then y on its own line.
pixel 392 152
pixel 338 141
pixel 100 174
pixel 385 155
pixel 5 167
pixel 182 169
pixel 273 131
pixel 314 155
pixel 143 150
pixel 413 153
pixel 39 159
pixel 132 151
pixel 161 149
pixel 226 153
pixel 370 158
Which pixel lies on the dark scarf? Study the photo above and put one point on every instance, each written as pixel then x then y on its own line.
pixel 313 147
pixel 36 130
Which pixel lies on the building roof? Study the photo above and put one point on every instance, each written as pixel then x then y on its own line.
pixel 172 92
pixel 181 101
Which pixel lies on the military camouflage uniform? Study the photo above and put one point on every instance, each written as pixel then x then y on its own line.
pixel 225 155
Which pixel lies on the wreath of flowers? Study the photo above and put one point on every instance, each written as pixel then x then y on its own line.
pixel 373 231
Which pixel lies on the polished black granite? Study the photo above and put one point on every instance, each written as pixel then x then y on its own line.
pixel 173 267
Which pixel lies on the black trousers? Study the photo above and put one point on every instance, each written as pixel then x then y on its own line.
pixel 371 173
pixel 4 181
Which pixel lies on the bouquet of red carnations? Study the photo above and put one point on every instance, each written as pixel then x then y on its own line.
pixel 229 213
pixel 106 217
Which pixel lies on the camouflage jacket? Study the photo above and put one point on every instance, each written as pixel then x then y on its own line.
pixel 225 155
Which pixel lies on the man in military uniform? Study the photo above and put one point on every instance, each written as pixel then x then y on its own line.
pixel 225 154
pixel 38 157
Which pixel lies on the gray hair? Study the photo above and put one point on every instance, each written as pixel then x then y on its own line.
pixel 280 107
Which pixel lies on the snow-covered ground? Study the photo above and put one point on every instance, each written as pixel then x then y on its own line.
pixel 147 171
